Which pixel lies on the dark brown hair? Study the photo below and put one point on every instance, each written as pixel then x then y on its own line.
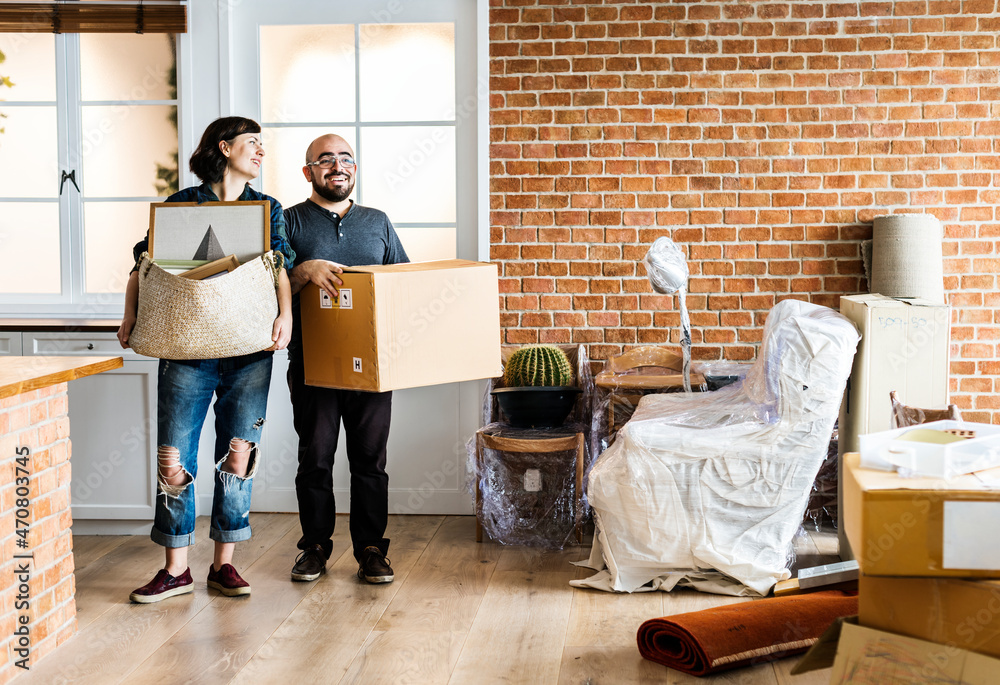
pixel 208 163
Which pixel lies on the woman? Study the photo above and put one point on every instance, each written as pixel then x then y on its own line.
pixel 228 157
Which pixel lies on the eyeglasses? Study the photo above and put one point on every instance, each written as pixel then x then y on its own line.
pixel 327 162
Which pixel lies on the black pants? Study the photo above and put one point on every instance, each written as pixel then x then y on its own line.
pixel 316 414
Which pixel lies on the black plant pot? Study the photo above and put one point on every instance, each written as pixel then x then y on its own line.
pixel 537 407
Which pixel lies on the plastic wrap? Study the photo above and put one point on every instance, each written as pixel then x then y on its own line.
pixel 529 498
pixel 719 374
pixel 821 512
pixel 666 267
pixel 625 379
pixel 508 513
pixel 709 489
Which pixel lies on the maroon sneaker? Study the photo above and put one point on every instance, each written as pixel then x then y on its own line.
pixel 227 581
pixel 162 586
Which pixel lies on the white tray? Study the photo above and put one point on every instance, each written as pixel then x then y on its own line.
pixel 884 451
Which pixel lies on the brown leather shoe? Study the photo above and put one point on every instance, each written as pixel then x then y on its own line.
pixel 310 564
pixel 227 581
pixel 162 586
pixel 374 566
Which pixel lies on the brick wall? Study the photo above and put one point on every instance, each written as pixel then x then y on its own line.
pixel 37 420
pixel 760 136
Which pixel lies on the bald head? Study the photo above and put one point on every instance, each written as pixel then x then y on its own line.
pixel 334 181
pixel 329 144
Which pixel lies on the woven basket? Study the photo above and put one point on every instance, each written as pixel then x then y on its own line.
pixel 228 316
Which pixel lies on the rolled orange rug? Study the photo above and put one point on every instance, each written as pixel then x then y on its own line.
pixel 713 640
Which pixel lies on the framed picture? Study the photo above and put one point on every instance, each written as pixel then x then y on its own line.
pixel 185 235
pixel 212 269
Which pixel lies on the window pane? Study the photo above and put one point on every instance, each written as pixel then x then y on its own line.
pixel 126 149
pixel 110 231
pixel 307 73
pixel 30 64
pixel 125 66
pixel 284 155
pixel 407 72
pixel 409 172
pixel 28 152
pixel 29 233
pixel 429 244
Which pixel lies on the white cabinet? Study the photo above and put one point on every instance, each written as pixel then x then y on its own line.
pixel 10 343
pixel 113 431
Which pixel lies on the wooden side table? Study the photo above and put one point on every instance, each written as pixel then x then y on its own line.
pixel 528 445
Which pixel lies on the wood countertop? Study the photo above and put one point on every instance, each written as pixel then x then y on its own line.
pixel 61 325
pixel 24 374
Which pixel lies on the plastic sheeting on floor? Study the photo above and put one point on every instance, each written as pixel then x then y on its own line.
pixel 708 490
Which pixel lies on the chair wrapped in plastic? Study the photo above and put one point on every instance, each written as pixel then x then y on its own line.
pixel 708 490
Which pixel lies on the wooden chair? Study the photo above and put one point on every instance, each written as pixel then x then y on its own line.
pixel 519 445
pixel 638 372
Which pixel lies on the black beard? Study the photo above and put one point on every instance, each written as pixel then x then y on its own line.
pixel 333 194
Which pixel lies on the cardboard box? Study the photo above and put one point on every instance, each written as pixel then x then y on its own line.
pixel 925 527
pixel 403 326
pixel 866 656
pixel 955 611
pixel 904 347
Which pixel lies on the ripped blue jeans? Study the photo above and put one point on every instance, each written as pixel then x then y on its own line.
pixel 184 392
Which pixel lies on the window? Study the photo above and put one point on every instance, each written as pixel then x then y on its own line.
pixel 389 85
pixel 89 140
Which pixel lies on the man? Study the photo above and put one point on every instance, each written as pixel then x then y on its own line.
pixel 329 231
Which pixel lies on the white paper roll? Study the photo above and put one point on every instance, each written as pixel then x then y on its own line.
pixel 907 259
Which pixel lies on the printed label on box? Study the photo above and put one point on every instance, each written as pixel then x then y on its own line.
pixel 357 365
pixel 970 536
pixel 532 480
pixel 342 301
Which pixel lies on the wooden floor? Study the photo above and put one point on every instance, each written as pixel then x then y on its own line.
pixel 458 612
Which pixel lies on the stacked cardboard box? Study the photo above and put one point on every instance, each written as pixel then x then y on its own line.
pixel 929 552
pixel 904 347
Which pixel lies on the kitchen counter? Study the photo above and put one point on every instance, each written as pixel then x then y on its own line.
pixel 37 603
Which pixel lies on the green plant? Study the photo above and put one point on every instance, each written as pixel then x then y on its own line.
pixel 535 365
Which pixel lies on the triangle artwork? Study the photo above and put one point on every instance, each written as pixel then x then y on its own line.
pixel 210 248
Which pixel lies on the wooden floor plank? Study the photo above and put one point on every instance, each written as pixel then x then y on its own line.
pixel 609 665
pixel 90 548
pixel 519 558
pixel 214 645
pixel 447 583
pixel 107 581
pixel 122 637
pixel 606 619
pixel 782 672
pixel 458 612
pixel 402 656
pixel 320 638
pixel 826 541
pixel 519 631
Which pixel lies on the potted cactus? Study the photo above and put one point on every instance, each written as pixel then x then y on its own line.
pixel 538 387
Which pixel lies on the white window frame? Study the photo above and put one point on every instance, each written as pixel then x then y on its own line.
pixel 471 130
pixel 73 300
